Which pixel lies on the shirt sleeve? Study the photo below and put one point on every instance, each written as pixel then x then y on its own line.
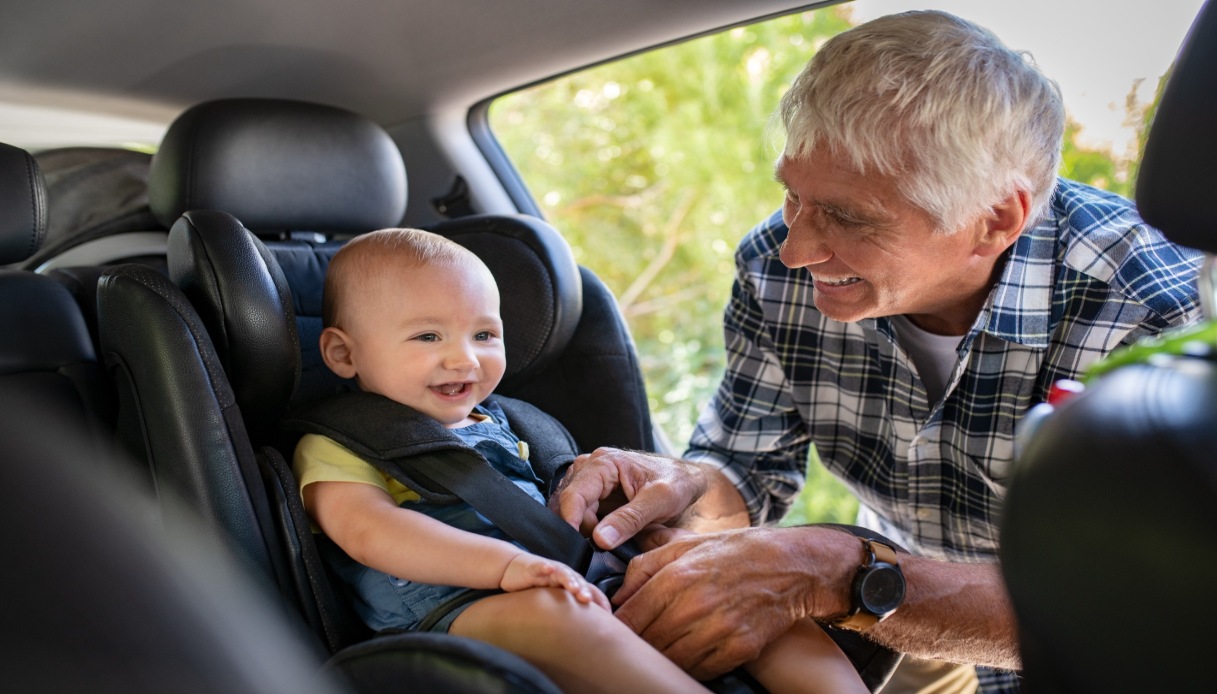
pixel 751 429
pixel 321 459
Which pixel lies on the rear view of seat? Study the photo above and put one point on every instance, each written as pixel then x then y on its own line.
pixel 46 351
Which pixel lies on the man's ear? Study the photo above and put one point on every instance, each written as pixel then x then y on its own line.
pixel 337 353
pixel 1003 224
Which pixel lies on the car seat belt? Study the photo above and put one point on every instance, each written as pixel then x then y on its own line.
pixel 519 515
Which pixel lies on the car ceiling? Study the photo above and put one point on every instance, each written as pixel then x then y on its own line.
pixel 392 60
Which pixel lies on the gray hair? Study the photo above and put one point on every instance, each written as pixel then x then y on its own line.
pixel 943 104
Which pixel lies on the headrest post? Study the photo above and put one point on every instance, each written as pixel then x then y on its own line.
pixel 1208 286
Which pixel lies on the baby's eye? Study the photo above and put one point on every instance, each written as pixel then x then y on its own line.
pixel 484 336
pixel 426 337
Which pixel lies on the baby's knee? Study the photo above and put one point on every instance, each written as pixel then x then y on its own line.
pixel 564 617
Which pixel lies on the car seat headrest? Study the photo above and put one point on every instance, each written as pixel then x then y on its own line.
pixel 243 299
pixel 279 165
pixel 1177 174
pixel 22 205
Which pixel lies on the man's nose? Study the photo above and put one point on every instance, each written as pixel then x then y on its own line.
pixel 804 247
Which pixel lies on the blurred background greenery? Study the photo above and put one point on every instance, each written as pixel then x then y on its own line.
pixel 654 167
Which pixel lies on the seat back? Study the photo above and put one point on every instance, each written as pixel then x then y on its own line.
pixel 1111 516
pixel 46 350
pixel 98 599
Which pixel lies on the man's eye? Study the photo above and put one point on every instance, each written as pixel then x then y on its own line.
pixel 839 219
pixel 845 222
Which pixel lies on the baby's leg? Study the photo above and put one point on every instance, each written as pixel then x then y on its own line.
pixel 582 648
pixel 805 659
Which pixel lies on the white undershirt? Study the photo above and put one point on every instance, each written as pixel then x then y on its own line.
pixel 933 355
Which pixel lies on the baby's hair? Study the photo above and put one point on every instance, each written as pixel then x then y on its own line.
pixel 363 255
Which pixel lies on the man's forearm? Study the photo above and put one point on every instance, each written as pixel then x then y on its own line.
pixel 955 612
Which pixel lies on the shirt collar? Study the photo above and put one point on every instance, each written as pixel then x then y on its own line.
pixel 1019 308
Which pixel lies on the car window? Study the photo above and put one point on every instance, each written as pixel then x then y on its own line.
pixel 656 165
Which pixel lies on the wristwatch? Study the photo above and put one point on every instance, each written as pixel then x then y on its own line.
pixel 878 588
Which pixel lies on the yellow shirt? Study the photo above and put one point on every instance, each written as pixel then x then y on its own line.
pixel 321 459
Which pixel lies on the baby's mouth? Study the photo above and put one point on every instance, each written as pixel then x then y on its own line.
pixel 452 388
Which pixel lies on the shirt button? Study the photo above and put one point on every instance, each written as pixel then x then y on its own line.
pixel 924 513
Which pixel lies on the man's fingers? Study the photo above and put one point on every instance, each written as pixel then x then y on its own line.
pixel 638 572
pixel 650 505
pixel 574 508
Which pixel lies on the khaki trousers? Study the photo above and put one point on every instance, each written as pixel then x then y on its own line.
pixel 918 676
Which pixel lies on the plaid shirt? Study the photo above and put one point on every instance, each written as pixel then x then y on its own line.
pixel 1087 278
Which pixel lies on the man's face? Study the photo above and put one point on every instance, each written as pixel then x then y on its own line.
pixel 871 253
pixel 429 337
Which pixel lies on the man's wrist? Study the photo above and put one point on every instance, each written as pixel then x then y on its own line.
pixel 833 556
pixel 716 503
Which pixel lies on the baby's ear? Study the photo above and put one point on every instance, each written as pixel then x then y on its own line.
pixel 337 353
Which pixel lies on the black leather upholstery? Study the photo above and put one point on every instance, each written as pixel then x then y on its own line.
pixel 1109 534
pixel 46 350
pixel 1176 180
pixel 178 414
pixel 23 214
pixel 279 165
pixel 245 304
pixel 1109 541
pixel 98 599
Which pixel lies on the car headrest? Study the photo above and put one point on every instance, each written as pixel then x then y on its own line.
pixel 279 165
pixel 1111 503
pixel 1177 173
pixel 23 212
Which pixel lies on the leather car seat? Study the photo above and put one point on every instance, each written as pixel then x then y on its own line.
pixel 98 599
pixel 47 353
pixel 1109 536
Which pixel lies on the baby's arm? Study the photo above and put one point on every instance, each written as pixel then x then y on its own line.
pixel 373 530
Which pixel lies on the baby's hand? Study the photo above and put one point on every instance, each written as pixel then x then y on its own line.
pixel 531 571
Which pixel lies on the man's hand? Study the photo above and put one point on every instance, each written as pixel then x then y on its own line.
pixel 657 489
pixel 711 602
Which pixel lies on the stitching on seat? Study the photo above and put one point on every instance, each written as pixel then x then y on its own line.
pixel 36 201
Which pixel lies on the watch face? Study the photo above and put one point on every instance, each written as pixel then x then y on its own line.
pixel 882 589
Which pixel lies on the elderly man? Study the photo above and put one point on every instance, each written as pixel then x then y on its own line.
pixel 926 282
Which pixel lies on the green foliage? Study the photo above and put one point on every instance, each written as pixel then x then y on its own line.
pixel 824 499
pixel 654 167
pixel 1105 169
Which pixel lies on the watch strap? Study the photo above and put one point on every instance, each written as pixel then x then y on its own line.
pixel 859 619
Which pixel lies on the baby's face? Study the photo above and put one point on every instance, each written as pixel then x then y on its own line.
pixel 430 338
